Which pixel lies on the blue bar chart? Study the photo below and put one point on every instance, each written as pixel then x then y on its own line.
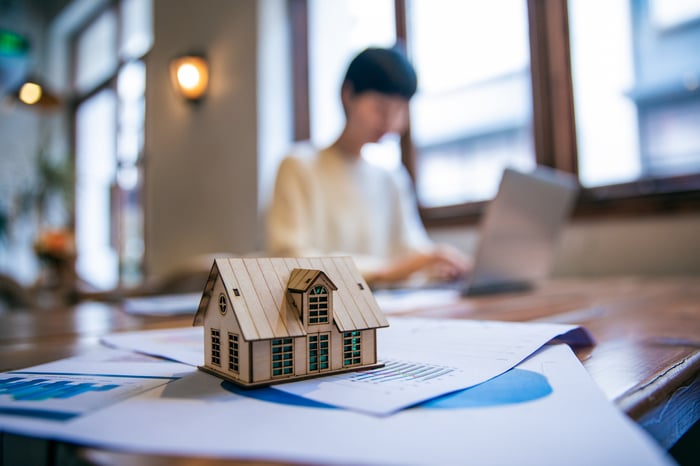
pixel 397 371
pixel 64 396
pixel 25 389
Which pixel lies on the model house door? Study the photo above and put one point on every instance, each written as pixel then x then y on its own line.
pixel 319 350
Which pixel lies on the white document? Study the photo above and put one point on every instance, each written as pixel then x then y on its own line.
pixel 408 300
pixel 547 411
pixel 424 358
pixel 163 305
pixel 185 345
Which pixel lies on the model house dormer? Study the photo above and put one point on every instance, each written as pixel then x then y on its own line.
pixel 311 292
pixel 270 320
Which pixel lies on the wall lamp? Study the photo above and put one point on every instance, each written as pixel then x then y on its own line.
pixel 31 92
pixel 190 76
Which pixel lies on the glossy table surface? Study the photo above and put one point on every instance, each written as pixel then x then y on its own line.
pixel 646 358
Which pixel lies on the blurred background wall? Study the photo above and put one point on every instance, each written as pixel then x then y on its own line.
pixel 201 159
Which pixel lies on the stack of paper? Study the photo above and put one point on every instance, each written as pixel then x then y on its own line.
pixel 543 408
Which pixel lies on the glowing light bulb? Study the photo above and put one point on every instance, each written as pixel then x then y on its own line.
pixel 189 76
pixel 30 93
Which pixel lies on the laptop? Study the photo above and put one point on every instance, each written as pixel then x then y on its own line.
pixel 520 230
pixel 518 236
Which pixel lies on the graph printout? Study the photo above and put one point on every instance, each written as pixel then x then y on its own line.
pixel 66 389
pixel 61 397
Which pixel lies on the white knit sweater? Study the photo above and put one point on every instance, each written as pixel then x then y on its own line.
pixel 325 203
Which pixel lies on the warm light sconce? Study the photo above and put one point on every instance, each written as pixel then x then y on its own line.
pixel 30 93
pixel 33 93
pixel 190 76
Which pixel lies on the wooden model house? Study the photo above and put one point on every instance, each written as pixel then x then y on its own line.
pixel 270 320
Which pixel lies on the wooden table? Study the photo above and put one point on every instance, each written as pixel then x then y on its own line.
pixel 646 358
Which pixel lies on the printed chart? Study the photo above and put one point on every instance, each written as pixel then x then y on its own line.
pixel 401 372
pixel 513 387
pixel 64 396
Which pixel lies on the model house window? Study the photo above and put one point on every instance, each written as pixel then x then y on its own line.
pixel 318 305
pixel 233 352
pixel 318 352
pixel 282 357
pixel 215 347
pixel 351 348
pixel 222 303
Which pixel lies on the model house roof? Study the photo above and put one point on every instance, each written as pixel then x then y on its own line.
pixel 301 279
pixel 257 287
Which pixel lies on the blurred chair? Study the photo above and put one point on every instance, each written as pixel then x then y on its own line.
pixel 14 296
pixel 188 277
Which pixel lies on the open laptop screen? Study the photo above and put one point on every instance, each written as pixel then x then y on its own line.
pixel 520 229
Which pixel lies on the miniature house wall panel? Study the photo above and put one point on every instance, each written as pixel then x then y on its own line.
pixel 270 320
pixel 300 358
pixel 336 353
pixel 261 356
pixel 223 350
pixel 369 339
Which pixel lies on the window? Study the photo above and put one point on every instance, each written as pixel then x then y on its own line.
pixel 318 352
pixel 472 114
pixel 318 305
pixel 215 347
pixel 109 84
pixel 233 353
pixel 95 171
pixel 222 303
pixel 518 83
pixel 346 27
pixel 282 357
pixel 352 350
pixel 640 118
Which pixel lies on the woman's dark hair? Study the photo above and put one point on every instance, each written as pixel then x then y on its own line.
pixel 387 71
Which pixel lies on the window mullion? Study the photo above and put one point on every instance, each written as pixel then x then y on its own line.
pixel 299 50
pixel 408 153
pixel 552 91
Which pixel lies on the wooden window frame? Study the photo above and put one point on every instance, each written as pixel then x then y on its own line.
pixel 349 355
pixel 321 337
pixel 283 370
pixel 215 347
pixel 320 314
pixel 234 353
pixel 554 124
pixel 223 303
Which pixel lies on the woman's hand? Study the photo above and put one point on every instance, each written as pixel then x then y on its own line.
pixel 441 263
